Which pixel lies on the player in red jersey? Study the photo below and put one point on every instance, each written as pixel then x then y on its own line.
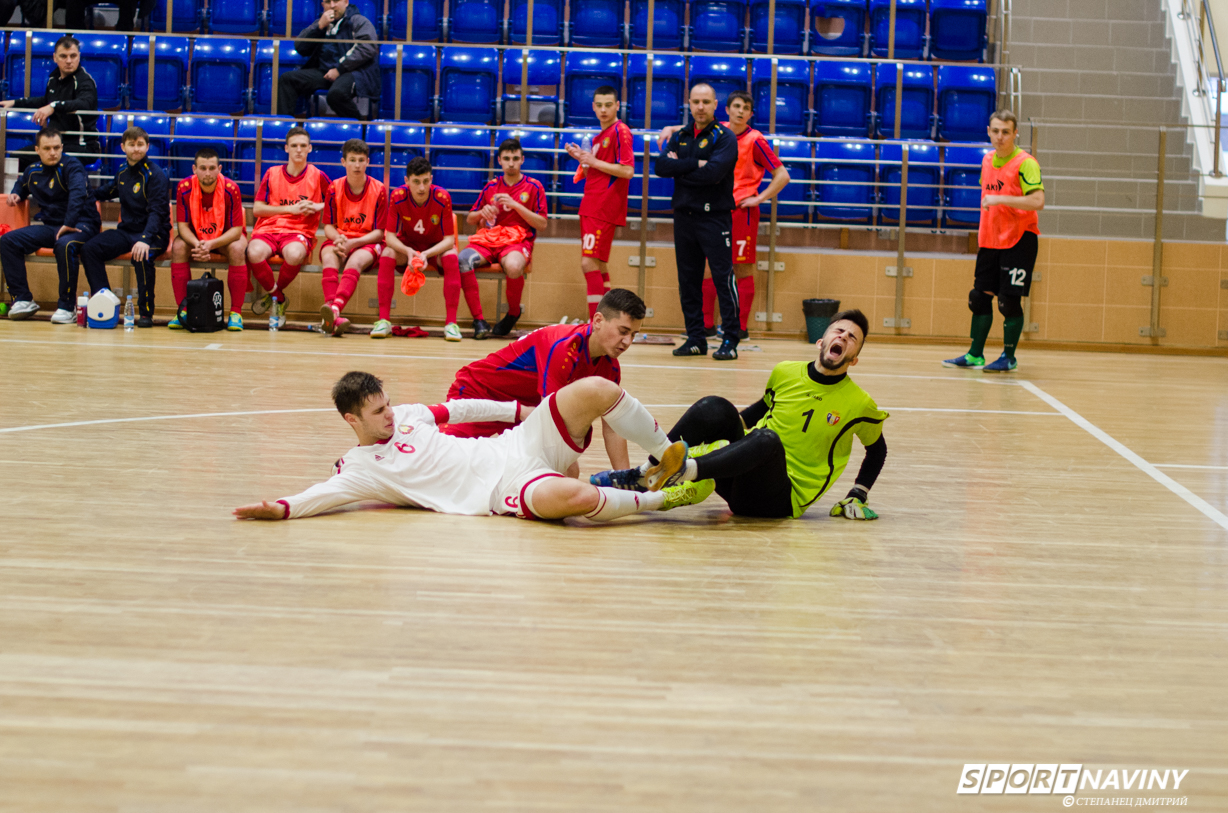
pixel 355 210
pixel 421 224
pixel 209 217
pixel 607 169
pixel 756 159
pixel 511 208
pixel 548 359
pixel 287 211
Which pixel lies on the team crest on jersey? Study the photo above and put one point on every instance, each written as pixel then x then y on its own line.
pixel 434 220
pixel 524 197
pixel 605 142
pixel 405 429
pixel 833 418
pixel 703 143
pixel 51 184
pixel 136 187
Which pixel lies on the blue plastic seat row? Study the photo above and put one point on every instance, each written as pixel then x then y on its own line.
pixel 952 30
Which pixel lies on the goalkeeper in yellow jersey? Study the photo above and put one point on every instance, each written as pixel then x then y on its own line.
pixel 801 433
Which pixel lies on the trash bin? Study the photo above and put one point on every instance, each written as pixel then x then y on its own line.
pixel 818 314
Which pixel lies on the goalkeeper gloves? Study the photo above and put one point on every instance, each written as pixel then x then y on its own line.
pixel 854 505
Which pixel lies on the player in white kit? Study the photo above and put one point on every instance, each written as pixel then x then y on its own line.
pixel 401 457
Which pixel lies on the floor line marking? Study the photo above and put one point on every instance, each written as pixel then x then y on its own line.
pixel 1104 437
pixel 1187 466
pixel 158 418
pixel 213 346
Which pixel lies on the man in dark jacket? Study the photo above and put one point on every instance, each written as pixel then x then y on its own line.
pixel 701 159
pixel 347 69
pixel 70 90
pixel 58 184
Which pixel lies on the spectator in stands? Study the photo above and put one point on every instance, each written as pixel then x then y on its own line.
pixel 33 13
pixel 59 185
pixel 144 223
pixel 70 90
pixel 209 214
pixel 347 69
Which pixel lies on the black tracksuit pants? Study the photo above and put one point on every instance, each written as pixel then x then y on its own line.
pixel 15 245
pixel 704 238
pixel 108 246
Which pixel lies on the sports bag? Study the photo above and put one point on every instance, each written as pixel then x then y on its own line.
pixel 204 308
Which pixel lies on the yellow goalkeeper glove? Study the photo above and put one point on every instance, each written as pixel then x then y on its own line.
pixel 854 506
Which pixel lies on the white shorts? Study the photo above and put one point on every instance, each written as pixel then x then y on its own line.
pixel 538 448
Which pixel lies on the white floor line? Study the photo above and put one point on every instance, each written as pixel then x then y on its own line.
pixel 1186 466
pixel 1160 477
pixel 159 418
pixel 907 409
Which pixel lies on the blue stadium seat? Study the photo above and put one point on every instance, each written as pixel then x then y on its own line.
pixel 105 56
pixel 42 63
pixel 660 190
pixel 966 100
pixel 792 95
pixel 20 130
pixel 193 132
pixel 539 154
pixel 543 86
pixel 189 16
pixel 596 24
pixel 428 20
pixel 790 26
pixel 170 73
pixel 547 21
pixel 373 10
pixel 476 21
pixel 302 14
pixel 796 155
pixel 327 136
pixel 923 184
pixel 958 30
pixel 158 125
pixel 667 25
pixel 273 150
pixel 287 60
pixel 917 106
pixel 910 36
pixel 407 143
pixel 417 82
pixel 234 16
pixel 962 179
pixel 461 162
pixel 724 74
pixel 717 25
pixel 571 192
pixel 220 68
pixel 844 176
pixel 668 89
pixel 842 93
pixel 585 73
pixel 837 27
pixel 468 83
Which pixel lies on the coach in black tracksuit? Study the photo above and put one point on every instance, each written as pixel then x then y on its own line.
pixel 701 159
pixel 70 91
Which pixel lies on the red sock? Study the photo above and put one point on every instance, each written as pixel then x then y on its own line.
pixel 605 280
pixel 709 289
pixel 385 280
pixel 328 281
pixel 180 274
pixel 236 281
pixel 473 298
pixel 596 289
pixel 263 272
pixel 345 288
pixel 451 286
pixel 285 277
pixel 746 299
pixel 515 289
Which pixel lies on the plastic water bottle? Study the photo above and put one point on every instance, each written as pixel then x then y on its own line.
pixel 129 314
pixel 83 302
pixel 273 320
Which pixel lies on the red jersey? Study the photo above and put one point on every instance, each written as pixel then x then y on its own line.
pixel 279 188
pixel 534 366
pixel 356 215
pixel 755 159
pixel 527 191
pixel 420 227
pixel 605 196
pixel 225 194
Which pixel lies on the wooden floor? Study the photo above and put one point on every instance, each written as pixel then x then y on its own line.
pixel 1038 590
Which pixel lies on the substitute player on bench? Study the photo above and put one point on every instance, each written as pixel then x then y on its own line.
pixel 1011 195
pixel 421 224
pixel 355 210
pixel 511 208
pixel 402 459
pixel 607 169
pixel 287 209
pixel 802 434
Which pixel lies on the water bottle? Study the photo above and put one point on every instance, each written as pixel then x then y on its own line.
pixel 586 144
pixel 83 302
pixel 273 320
pixel 129 314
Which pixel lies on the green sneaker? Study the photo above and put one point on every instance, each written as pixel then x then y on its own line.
pixel 381 329
pixel 235 322
pixel 451 332
pixel 4 310
pixel 262 305
pixel 705 448
pixel 177 322
pixel 967 362
pixel 691 493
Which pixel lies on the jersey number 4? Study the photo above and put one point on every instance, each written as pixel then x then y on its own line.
pixel 420 227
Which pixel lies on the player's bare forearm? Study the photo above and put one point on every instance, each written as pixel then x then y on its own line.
pixel 262 209
pixel 532 218
pixel 261 510
pixel 373 236
pixel 186 235
pixel 228 237
pixel 1031 202
pixel 330 231
pixel 393 242
pixel 614 170
pixel 780 179
pixel 615 447
pixel 442 247
pixel 474 217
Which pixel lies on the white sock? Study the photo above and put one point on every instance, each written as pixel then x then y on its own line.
pixel 613 503
pixel 630 419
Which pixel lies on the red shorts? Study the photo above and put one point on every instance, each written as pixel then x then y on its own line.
pixel 745 235
pixel 595 238
pixel 496 255
pixel 375 249
pixel 279 240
